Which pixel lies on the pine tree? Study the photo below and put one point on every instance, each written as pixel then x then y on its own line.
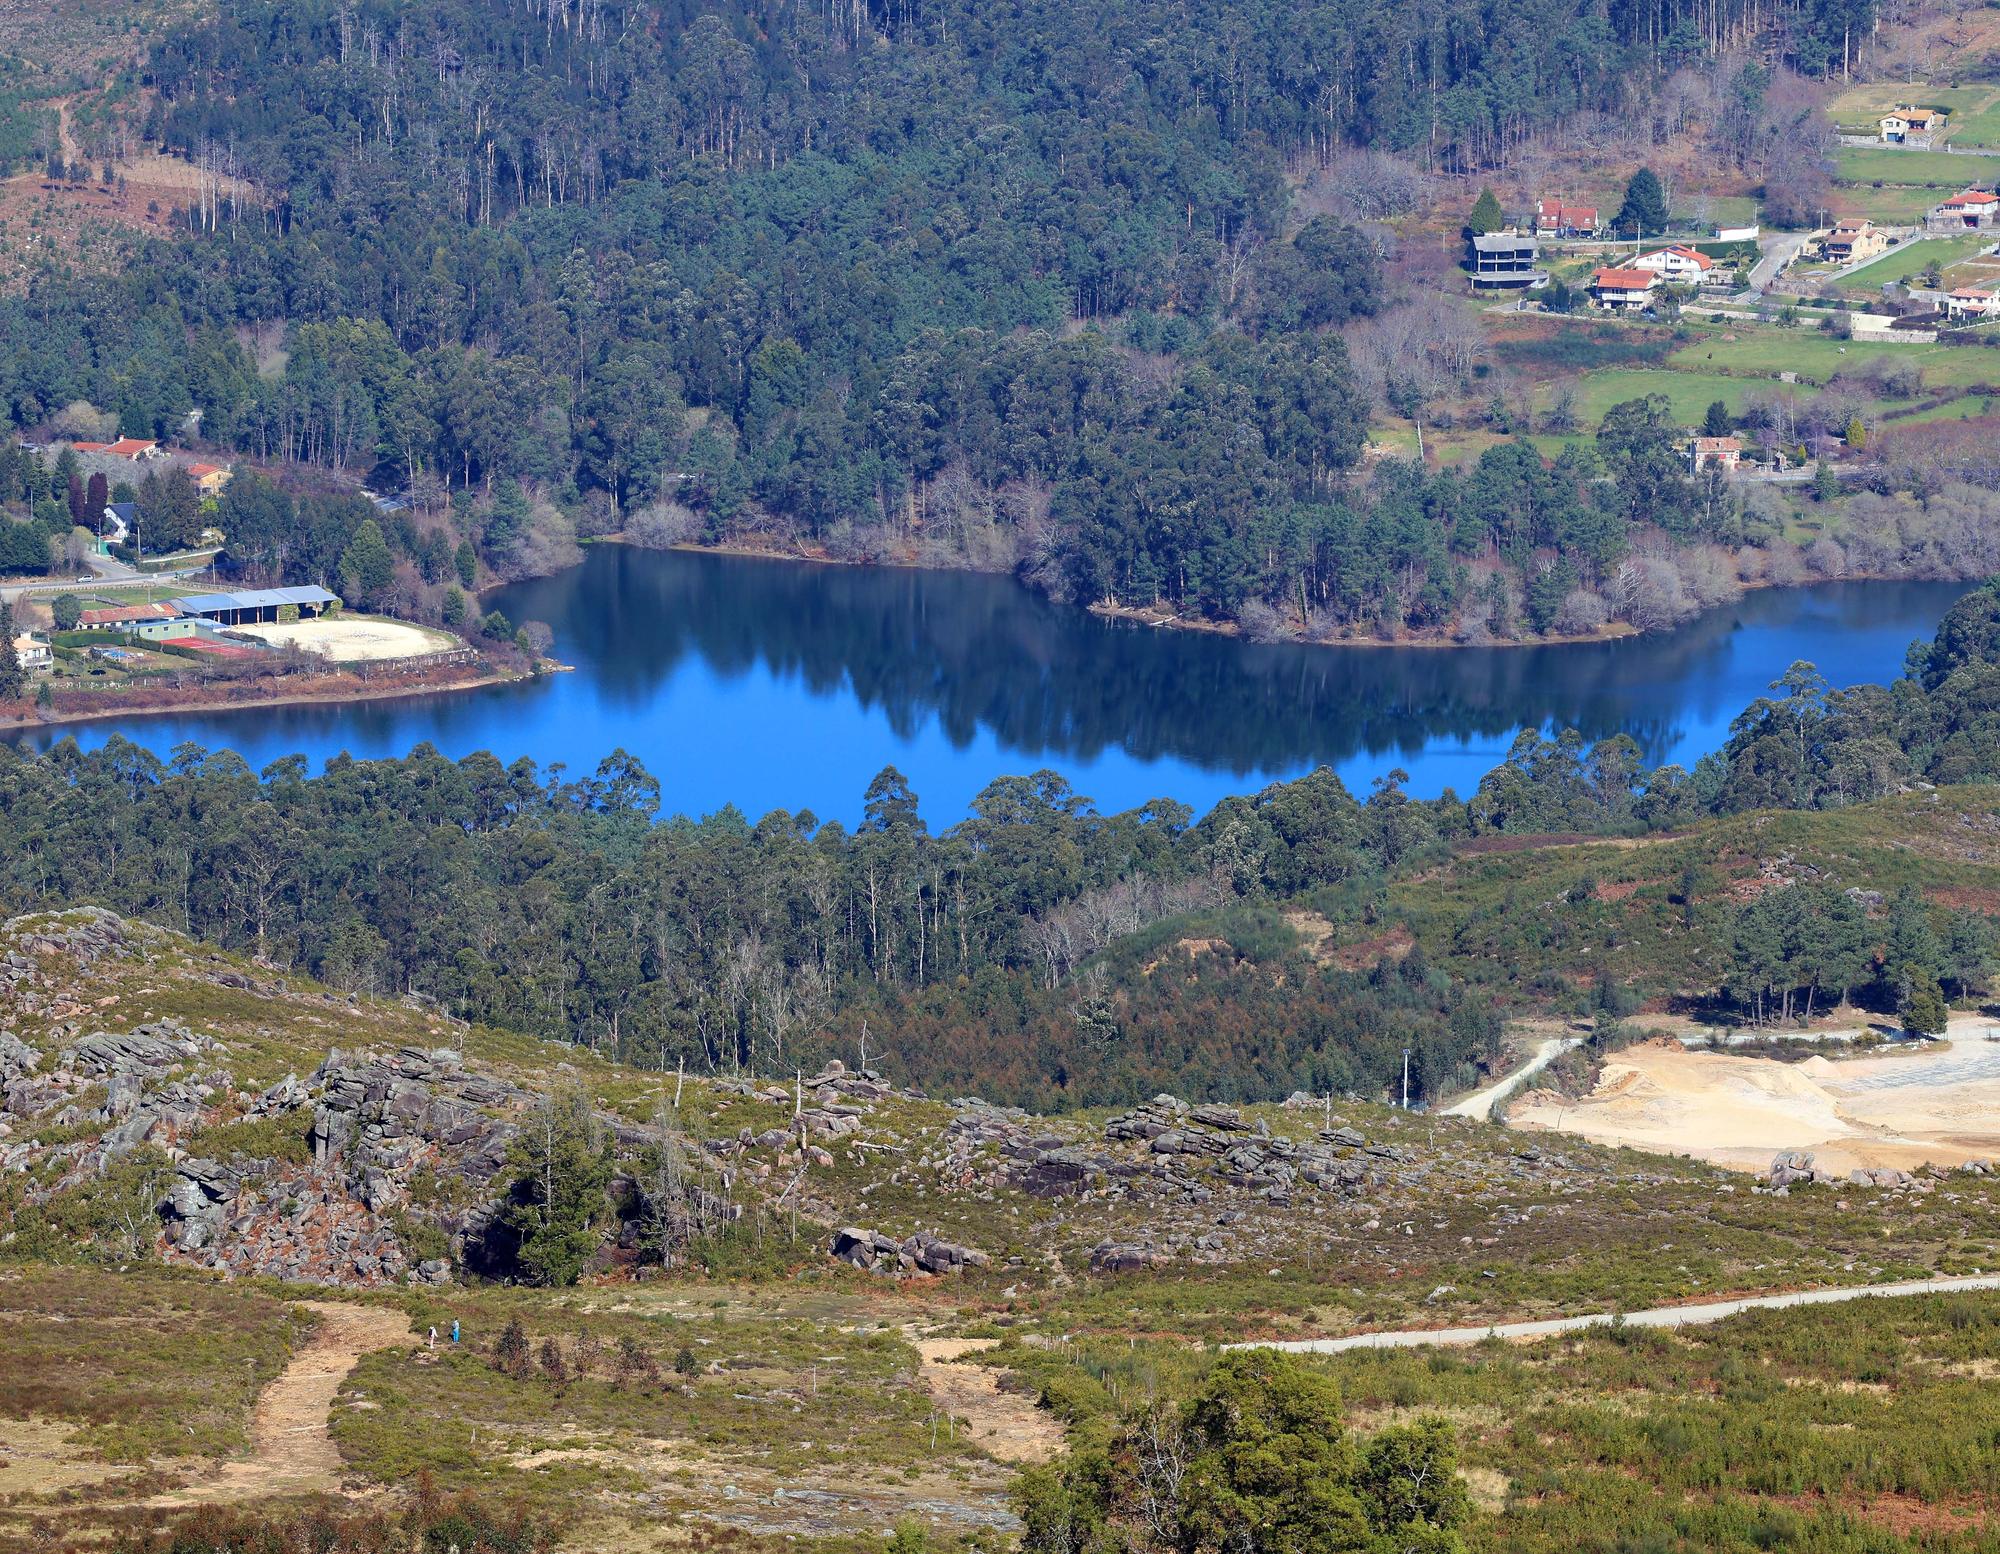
pixel 12 681
pixel 1716 422
pixel 1486 215
pixel 1644 213
pixel 366 566
pixel 1923 1008
pixel 562 1164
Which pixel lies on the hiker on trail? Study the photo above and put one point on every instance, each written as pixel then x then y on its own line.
pixel 434 1337
pixel 454 1329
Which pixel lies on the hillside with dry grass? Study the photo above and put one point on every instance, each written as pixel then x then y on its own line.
pixel 787 1334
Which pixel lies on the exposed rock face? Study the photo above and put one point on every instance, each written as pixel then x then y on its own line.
pixel 921 1253
pixel 376 1118
pixel 157 1046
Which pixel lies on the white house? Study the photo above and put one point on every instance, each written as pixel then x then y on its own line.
pixel 1973 302
pixel 1978 209
pixel 1911 126
pixel 1685 265
pixel 33 652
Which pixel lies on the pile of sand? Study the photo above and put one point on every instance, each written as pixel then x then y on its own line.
pixel 1933 1102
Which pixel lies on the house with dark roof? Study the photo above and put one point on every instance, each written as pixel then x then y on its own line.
pixel 1504 261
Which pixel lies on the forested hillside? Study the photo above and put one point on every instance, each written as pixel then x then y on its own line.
pixel 1026 281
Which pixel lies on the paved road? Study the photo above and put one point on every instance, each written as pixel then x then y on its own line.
pixel 1780 249
pixel 14 593
pixel 1481 1102
pixel 1659 1316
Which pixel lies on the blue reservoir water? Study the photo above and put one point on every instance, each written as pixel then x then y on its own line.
pixel 785 685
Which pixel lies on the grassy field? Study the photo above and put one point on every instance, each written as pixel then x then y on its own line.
pixel 1930 169
pixel 1816 357
pixel 1978 129
pixel 1690 393
pixel 1858 110
pixel 816 1397
pixel 1909 260
pixel 1724 210
pixel 1890 205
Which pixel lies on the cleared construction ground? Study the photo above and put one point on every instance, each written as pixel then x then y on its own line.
pixel 356 639
pixel 1935 1102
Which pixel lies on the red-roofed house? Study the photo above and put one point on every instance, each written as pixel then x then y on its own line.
pixel 1624 289
pixel 1973 302
pixel 1677 263
pixel 209 479
pixel 1555 219
pixel 1723 453
pixel 1976 208
pixel 131 449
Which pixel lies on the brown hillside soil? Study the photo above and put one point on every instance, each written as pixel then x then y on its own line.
pixel 291 1448
pixel 259 690
pixel 1003 1424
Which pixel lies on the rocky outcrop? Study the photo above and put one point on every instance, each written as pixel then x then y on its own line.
pixel 151 1048
pixel 1792 1166
pixel 921 1253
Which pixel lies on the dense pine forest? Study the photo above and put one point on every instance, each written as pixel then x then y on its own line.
pixel 1025 283
pixel 1037 951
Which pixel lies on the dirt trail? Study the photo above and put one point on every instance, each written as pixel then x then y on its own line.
pixel 291 1447
pixel 1005 1425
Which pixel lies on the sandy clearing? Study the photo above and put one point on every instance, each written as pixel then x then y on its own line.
pixel 41 1460
pixel 1004 1425
pixel 355 641
pixel 1937 1103
pixel 291 1447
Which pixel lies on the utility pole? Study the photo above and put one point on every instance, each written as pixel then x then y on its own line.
pixel 1406 1079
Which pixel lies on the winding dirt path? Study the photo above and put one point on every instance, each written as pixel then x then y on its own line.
pixel 1005 1425
pixel 291 1446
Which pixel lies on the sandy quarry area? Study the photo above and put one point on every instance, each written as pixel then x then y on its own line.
pixel 1935 1102
pixel 356 641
